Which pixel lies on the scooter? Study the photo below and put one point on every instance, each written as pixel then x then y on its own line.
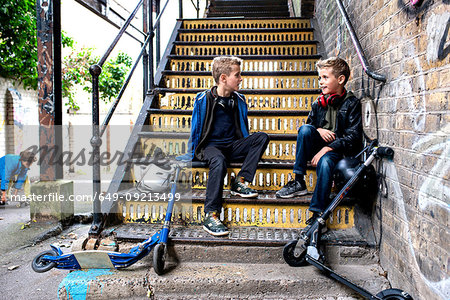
pixel 306 250
pixel 101 259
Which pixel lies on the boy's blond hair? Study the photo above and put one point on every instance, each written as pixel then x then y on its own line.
pixel 338 67
pixel 222 65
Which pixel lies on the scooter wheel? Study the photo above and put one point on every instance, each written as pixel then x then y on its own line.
pixel 291 259
pixel 40 266
pixel 159 258
pixel 394 294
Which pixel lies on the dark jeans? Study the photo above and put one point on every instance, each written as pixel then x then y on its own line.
pixel 309 142
pixel 249 150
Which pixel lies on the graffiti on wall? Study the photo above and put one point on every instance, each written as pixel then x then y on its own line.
pixel 437 30
pixel 431 193
pixel 414 10
pixel 434 190
pixel 444 45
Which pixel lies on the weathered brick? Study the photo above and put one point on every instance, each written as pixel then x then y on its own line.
pixel 444 78
pixel 437 102
pixel 432 122
pixel 412 105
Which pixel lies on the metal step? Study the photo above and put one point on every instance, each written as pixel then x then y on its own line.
pixel 247 57
pixel 264 211
pixel 280 148
pixel 240 236
pixel 239 7
pixel 240 23
pixel 250 113
pixel 185 135
pixel 184 100
pixel 247 43
pixel 246 30
pixel 247 2
pixel 248 14
pixel 264 163
pixel 271 64
pixel 244 74
pixel 219 37
pixel 291 83
pixel 162 90
pixel 271 124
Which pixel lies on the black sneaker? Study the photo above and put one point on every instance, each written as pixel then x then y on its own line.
pixel 240 187
pixel 292 188
pixel 213 225
pixel 311 221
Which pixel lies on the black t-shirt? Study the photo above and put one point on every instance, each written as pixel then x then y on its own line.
pixel 223 131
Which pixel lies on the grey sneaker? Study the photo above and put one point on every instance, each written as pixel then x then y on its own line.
pixel 292 188
pixel 213 225
pixel 239 187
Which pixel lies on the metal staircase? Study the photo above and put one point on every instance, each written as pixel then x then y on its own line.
pixel 249 8
pixel 279 83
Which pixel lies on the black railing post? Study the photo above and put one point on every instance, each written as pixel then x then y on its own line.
pixel 145 11
pixel 158 34
pixel 180 12
pixel 150 46
pixel 198 9
pixel 96 142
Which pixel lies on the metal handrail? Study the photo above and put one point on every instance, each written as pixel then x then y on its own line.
pixel 130 74
pixel 119 35
pixel 95 70
pixel 357 45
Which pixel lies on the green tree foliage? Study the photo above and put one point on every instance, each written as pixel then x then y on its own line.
pixel 75 70
pixel 18 46
pixel 113 76
pixel 18 55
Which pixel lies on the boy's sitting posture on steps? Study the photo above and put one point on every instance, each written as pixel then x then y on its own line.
pixel 219 134
pixel 333 130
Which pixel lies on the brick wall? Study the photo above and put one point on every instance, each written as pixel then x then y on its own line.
pixel 410 46
pixel 18 116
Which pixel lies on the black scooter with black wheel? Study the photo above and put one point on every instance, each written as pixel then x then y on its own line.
pixel 306 250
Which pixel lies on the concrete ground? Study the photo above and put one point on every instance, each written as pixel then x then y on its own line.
pixel 21 240
pixel 18 247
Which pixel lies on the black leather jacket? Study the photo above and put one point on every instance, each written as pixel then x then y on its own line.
pixel 349 129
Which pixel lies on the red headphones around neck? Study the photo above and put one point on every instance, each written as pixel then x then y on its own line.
pixel 332 99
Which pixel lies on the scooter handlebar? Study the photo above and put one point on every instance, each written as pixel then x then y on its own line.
pixel 385 152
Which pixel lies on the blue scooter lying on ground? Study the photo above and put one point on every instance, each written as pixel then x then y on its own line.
pixel 100 259
pixel 306 250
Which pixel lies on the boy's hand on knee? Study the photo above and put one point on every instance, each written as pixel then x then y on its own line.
pixel 318 156
pixel 327 135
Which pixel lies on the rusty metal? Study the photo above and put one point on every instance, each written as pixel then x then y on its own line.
pixel 293 101
pixel 269 214
pixel 245 236
pixel 90 244
pixel 269 124
pixel 266 179
pixel 238 49
pixel 273 64
pixel 49 82
pixel 293 82
pixel 233 36
pixel 259 23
